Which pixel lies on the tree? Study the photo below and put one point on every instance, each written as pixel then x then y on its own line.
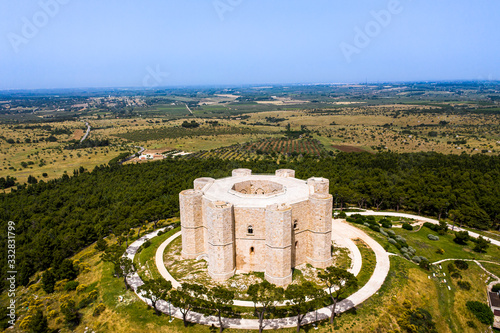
pixel 155 290
pixel 461 237
pixel 187 297
pixel 38 323
pixel 127 269
pixel 297 296
pixel 338 281
pixel 66 270
pixel 101 244
pixel 123 266
pixel 48 281
pixel 265 297
pixel 70 312
pixel 481 245
pixel 32 180
pixel 221 299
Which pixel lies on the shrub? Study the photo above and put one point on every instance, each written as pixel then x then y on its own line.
pixel 433 237
pixel 71 285
pixel 146 244
pixel 385 223
pixel 463 265
pixel 401 241
pixel 81 288
pixel 407 256
pixel 496 288
pixel 471 324
pixel 365 224
pixel 342 215
pixel 375 227
pixel 416 259
pixel 393 242
pixel 411 250
pixel 440 251
pixel 407 226
pixel 431 226
pixel 424 263
pixel 481 311
pixel 481 245
pixel 456 275
pixel 60 285
pixel 391 232
pixel 384 233
pixel 99 309
pixel 359 221
pixel 451 267
pixel 350 219
pixel 465 285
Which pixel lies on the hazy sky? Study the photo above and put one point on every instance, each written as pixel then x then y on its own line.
pixel 125 43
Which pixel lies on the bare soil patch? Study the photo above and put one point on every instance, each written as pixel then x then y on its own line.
pixel 78 134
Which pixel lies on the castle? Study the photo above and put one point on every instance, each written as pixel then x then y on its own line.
pixel 262 223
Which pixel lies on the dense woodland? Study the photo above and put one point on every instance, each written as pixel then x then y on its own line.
pixel 56 219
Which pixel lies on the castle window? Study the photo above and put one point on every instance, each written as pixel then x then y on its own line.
pixel 295 224
pixel 250 230
pixel 252 250
pixel 296 244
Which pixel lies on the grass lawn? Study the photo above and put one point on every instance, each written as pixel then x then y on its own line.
pixel 427 248
pixel 145 260
pixel 492 268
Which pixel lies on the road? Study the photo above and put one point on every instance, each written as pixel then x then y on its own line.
pixel 187 107
pixel 86 133
pixel 141 149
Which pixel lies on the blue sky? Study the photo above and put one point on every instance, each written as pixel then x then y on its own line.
pixel 124 43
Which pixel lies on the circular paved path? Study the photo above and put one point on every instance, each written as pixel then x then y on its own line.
pixel 344 233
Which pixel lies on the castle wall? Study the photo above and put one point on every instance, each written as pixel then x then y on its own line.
pixel 300 218
pixel 246 260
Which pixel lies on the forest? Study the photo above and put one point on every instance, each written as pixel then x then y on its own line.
pixel 56 219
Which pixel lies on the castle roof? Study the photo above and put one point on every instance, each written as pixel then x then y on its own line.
pixel 283 190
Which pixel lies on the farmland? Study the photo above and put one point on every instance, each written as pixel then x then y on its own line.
pixel 245 123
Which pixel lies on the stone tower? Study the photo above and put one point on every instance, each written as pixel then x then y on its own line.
pixel 279 244
pixel 220 227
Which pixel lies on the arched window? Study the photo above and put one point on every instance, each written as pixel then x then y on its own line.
pixel 296 244
pixel 295 224
pixel 252 250
pixel 250 230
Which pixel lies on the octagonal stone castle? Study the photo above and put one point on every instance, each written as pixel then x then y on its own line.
pixel 262 223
